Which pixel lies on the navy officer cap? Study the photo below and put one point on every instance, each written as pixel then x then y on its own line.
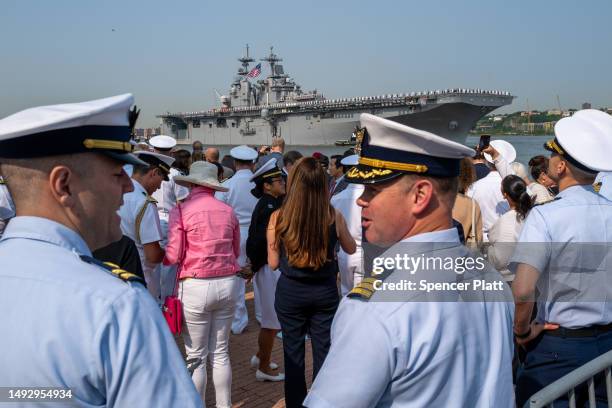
pixel 388 149
pixel 102 125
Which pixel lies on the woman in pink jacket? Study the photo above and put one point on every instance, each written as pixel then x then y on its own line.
pixel 204 240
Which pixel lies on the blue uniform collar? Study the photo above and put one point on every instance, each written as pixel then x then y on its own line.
pixel 46 230
pixel 576 189
pixel 449 235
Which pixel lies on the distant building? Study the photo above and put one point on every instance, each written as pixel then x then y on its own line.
pixel 554 112
pixel 586 105
pixel 498 119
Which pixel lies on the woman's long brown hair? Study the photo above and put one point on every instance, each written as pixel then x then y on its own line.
pixel 302 227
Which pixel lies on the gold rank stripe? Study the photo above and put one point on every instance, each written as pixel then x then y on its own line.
pixel 385 164
pixel 363 292
pixel 553 145
pixel 108 144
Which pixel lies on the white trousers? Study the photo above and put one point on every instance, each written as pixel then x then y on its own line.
pixel 208 306
pixel 241 316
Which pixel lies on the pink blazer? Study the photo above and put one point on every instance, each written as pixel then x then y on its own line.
pixel 209 234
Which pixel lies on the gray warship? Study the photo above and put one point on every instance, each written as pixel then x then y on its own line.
pixel 256 111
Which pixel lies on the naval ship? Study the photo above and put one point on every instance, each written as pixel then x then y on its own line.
pixel 256 111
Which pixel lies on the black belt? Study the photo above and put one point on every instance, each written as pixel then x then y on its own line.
pixel 591 331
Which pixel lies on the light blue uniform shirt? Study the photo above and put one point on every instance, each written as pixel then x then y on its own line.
pixel 419 354
pixel 568 241
pixel 71 324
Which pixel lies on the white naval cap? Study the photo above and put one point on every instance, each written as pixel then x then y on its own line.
pixel 243 152
pixel 266 170
pixel 351 160
pixel 388 149
pixel 102 125
pixel 585 140
pixel 159 160
pixel 505 149
pixel 162 142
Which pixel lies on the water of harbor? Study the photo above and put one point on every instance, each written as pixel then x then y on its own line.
pixel 526 147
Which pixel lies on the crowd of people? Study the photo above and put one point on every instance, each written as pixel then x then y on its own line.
pixel 81 205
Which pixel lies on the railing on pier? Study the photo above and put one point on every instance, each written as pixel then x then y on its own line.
pixel 567 384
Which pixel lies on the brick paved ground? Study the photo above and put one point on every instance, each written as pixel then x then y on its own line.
pixel 246 391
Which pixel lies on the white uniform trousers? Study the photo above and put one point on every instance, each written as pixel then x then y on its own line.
pixel 241 316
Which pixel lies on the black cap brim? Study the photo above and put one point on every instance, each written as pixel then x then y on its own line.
pixel 364 174
pixel 127 158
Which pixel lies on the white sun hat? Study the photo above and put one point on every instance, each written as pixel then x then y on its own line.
pixel 203 174
pixel 504 148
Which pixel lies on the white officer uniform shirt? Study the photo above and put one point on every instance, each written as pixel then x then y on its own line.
pixel 169 194
pixel 7 208
pixel 605 178
pixel 243 203
pixel 420 354
pixel 572 277
pixel 150 231
pixel 351 266
pixel 488 195
pixel 72 324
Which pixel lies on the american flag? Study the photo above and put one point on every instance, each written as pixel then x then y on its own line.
pixel 255 71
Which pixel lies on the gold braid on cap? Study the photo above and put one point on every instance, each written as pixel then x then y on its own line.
pixel 551 144
pixel 108 145
pixel 276 173
pixel 384 164
pixel 164 167
pixel 356 173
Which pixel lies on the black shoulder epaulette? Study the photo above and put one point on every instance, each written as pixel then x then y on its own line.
pixel 114 269
pixel 597 186
pixel 554 199
pixel 365 289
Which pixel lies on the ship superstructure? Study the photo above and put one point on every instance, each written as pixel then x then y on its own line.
pixel 254 112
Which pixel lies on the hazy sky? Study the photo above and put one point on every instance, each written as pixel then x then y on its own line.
pixel 172 54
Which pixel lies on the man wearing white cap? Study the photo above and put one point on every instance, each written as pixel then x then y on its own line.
pixel 564 252
pixel 140 218
pixel 104 341
pixel 350 265
pixel 487 190
pixel 167 195
pixel 408 347
pixel 239 197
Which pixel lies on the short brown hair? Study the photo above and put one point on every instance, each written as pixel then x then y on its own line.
pixel 278 142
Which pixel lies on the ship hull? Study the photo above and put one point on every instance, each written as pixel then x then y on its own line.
pixel 451 117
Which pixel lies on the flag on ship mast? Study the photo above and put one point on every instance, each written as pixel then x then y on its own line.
pixel 255 71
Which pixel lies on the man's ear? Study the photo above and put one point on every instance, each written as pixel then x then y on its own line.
pixel 61 180
pixel 561 168
pixel 422 192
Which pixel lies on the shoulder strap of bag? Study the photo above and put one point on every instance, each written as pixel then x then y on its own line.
pixel 140 216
